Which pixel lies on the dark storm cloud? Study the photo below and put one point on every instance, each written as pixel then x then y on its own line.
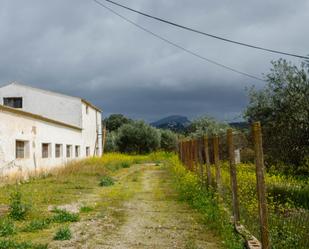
pixel 79 48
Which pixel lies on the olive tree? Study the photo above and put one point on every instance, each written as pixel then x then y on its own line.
pixel 169 140
pixel 137 137
pixel 283 109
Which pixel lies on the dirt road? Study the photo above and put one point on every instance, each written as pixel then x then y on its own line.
pixel 152 218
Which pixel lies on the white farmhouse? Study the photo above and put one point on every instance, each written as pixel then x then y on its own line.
pixel 41 129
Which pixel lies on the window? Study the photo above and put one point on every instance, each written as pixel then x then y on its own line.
pixel 87 109
pixel 13 102
pixel 69 151
pixel 58 150
pixel 87 151
pixel 46 151
pixel 20 149
pixel 77 151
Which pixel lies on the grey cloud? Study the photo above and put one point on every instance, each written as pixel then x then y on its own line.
pixel 79 48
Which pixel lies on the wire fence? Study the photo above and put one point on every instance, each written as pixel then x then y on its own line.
pixel 270 211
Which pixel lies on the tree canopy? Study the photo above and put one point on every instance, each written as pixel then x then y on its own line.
pixel 283 109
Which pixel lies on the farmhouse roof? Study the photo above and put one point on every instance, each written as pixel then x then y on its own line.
pixel 54 93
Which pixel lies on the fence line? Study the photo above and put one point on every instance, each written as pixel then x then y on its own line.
pixel 195 153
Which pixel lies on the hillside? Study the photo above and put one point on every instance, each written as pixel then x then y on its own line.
pixel 175 123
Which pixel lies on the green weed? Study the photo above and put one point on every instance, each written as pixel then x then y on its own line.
pixel 62 216
pixel 36 225
pixel 18 209
pixel 125 165
pixel 7 227
pixel 63 233
pixel 106 181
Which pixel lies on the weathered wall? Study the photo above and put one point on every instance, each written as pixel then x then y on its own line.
pixel 19 127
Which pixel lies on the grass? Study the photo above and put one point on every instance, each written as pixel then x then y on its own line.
pixel 205 202
pixel 29 201
pixel 63 233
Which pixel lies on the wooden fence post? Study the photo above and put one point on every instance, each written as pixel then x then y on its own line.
pixel 261 188
pixel 208 170
pixel 233 176
pixel 217 162
pixel 200 160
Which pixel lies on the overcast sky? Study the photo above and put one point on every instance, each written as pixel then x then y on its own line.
pixel 79 48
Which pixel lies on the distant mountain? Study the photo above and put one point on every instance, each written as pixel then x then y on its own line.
pixel 175 123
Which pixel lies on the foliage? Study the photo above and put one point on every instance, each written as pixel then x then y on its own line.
pixel 111 142
pixel 283 109
pixel 206 126
pixel 62 216
pixel 106 181
pixel 169 140
pixel 7 227
pixel 115 121
pixel 138 137
pixel 18 209
pixel 286 197
pixel 63 233
pixel 188 186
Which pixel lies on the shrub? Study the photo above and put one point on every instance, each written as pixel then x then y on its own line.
pixel 63 233
pixel 18 209
pixel 62 216
pixel 106 181
pixel 138 137
pixel 36 225
pixel 7 228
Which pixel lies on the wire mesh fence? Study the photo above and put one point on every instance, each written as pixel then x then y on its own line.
pixel 271 211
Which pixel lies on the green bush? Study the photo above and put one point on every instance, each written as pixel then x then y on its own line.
pixel 7 227
pixel 106 181
pixel 62 216
pixel 36 225
pixel 138 137
pixel 63 233
pixel 18 209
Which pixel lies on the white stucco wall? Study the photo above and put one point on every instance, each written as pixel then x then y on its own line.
pixel 48 104
pixel 92 129
pixel 18 127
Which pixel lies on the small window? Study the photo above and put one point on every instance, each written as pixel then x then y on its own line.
pixel 58 150
pixel 21 149
pixel 13 102
pixel 87 109
pixel 77 151
pixel 87 151
pixel 46 151
pixel 69 151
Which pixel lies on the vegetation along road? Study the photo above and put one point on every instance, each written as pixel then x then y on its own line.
pixel 115 202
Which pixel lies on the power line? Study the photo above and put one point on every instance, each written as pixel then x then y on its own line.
pixel 204 33
pixel 179 46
